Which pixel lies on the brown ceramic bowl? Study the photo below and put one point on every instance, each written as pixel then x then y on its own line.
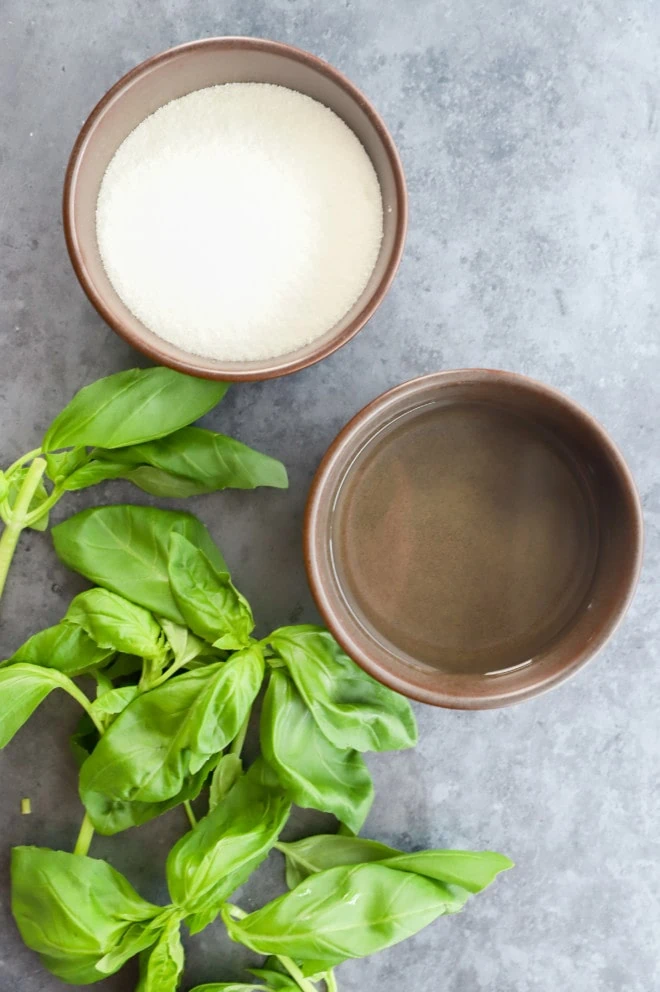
pixel 173 74
pixel 472 538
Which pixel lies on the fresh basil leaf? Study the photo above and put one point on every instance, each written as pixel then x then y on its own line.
pixel 471 870
pixel 210 604
pixel 91 473
pixel 61 464
pixel 111 816
pixel 126 549
pixel 103 683
pixel 83 740
pixel 136 938
pixel 276 975
pixel 225 847
pixel 322 851
pixel 114 702
pixel 22 688
pixel 123 666
pixel 346 912
pixel 159 483
pixel 227 773
pixel 277 982
pixel 208 601
pixel 189 462
pixel 75 910
pixel 66 647
pixel 117 624
pixel 185 646
pixel 131 407
pixel 314 772
pixel 15 482
pixel 351 708
pixel 233 987
pixel 315 970
pixel 41 524
pixel 226 704
pixel 193 461
pixel 161 966
pixel 169 733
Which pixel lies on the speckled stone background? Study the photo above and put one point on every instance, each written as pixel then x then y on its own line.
pixel 529 134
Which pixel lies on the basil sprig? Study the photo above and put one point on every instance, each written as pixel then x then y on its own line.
pixel 132 425
pixel 168 640
pixel 85 920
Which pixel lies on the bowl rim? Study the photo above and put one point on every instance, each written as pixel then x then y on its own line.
pixel 198 365
pixel 315 542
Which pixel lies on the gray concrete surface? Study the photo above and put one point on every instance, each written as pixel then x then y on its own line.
pixel 529 133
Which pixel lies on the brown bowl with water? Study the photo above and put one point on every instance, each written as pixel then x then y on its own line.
pixel 472 538
pixel 180 71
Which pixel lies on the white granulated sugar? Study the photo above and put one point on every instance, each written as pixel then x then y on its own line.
pixel 240 222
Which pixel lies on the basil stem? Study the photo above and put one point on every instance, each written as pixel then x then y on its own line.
pixel 330 981
pixel 84 837
pixel 190 813
pixel 18 518
pixel 303 984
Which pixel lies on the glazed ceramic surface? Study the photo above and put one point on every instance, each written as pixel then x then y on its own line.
pixel 191 67
pixel 472 538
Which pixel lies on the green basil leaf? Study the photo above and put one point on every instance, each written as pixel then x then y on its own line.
pixel 116 623
pixel 111 816
pixel 314 772
pixel 114 702
pixel 41 494
pixel 61 464
pixel 351 708
pixel 222 711
pixel 65 647
pixel 126 549
pixel 123 666
pixel 346 912
pixel 136 938
pixel 159 483
pixel 131 407
pixel 190 462
pixel 83 740
pixel 318 853
pixel 471 870
pixel 169 733
pixel 232 987
pixel 22 688
pixel 185 646
pixel 227 773
pixel 91 474
pixel 193 461
pixel 225 847
pixel 161 966
pixel 277 982
pixel 208 601
pixel 276 975
pixel 41 524
pixel 315 970
pixel 75 910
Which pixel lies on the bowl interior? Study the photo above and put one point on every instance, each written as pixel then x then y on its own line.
pixel 592 607
pixel 174 74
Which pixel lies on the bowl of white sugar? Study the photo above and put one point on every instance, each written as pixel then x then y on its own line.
pixel 235 208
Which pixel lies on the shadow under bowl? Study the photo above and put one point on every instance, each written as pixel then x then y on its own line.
pixel 472 538
pixel 173 74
